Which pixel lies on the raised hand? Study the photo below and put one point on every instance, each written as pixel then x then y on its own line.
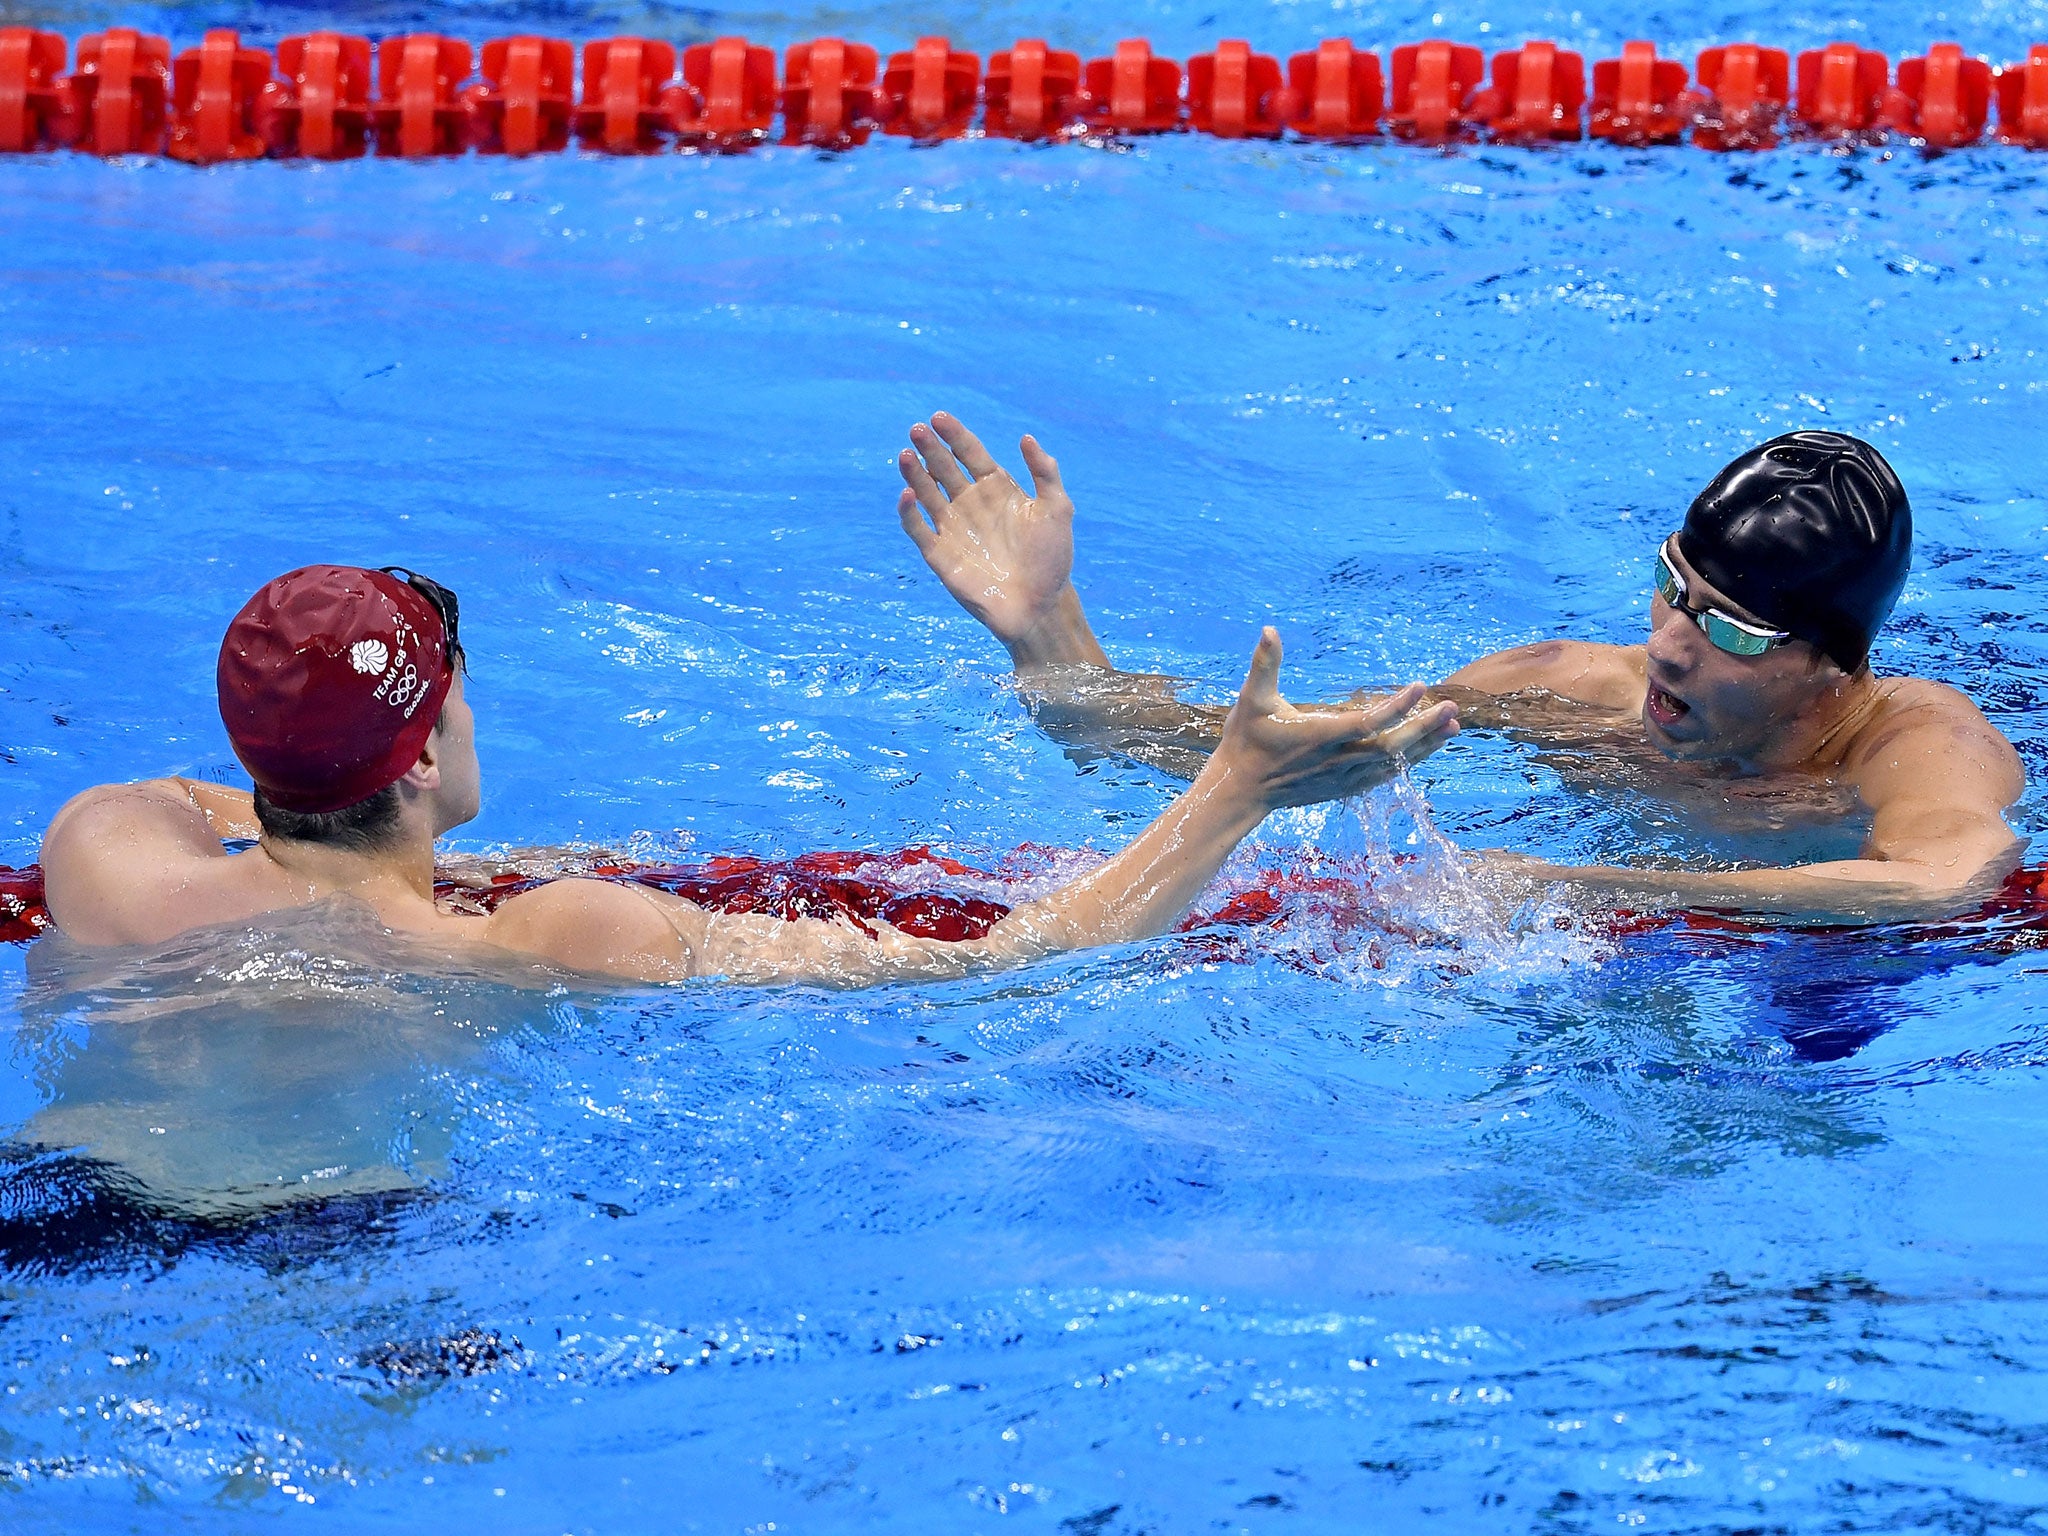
pixel 1007 558
pixel 1287 756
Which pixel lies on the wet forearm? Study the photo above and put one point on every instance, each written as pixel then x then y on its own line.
pixel 1146 889
pixel 1079 698
pixel 1132 714
pixel 1847 890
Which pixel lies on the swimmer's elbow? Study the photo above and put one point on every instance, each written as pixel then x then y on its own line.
pixel 1946 851
pixel 1910 888
pixel 1959 883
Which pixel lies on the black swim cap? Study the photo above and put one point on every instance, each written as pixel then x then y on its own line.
pixel 1811 533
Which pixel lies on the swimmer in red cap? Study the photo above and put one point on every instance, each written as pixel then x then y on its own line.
pixel 1754 689
pixel 342 692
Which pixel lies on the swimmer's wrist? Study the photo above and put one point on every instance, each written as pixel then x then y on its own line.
pixel 1237 797
pixel 1061 637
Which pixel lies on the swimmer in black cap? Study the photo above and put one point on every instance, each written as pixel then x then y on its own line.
pixel 1754 686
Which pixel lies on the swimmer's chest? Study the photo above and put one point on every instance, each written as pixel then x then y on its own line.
pixel 1681 813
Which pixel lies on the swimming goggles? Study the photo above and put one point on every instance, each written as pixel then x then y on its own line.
pixel 1724 631
pixel 443 603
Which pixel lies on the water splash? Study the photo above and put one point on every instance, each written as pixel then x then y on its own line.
pixel 1397 900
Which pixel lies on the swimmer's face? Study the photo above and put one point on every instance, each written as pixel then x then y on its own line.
pixel 1704 705
pixel 460 796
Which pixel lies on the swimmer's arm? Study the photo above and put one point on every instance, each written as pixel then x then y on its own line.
pixel 1937 785
pixel 1141 892
pixel 1843 890
pixel 1008 559
pixel 1271 755
pixel 117 856
pixel 1541 692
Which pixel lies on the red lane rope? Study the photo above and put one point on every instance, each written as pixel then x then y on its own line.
pixel 329 96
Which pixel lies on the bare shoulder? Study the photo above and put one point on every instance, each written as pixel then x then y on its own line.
pixel 1611 676
pixel 154 808
pixel 1928 733
pixel 602 926
pixel 135 863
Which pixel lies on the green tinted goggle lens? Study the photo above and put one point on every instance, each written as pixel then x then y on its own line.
pixel 1722 632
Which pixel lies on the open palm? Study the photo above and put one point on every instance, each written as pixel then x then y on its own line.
pixel 1007 558
pixel 1294 756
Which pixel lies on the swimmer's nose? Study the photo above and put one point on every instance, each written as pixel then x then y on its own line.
pixel 1670 645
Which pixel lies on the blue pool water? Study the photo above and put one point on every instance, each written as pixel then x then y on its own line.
pixel 1512 1230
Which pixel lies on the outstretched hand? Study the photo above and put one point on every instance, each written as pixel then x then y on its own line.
pixel 1288 756
pixel 1007 558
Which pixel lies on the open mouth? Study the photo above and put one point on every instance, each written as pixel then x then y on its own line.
pixel 1665 708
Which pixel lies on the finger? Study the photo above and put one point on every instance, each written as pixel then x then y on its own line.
pixel 965 445
pixel 1370 727
pixel 1261 690
pixel 927 491
pixel 1412 739
pixel 921 532
pixel 1381 713
pixel 1417 737
pixel 938 458
pixel 1045 469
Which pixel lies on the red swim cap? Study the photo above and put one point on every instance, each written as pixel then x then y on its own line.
pixel 331 679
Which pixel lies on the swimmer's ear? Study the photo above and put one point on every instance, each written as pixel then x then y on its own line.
pixel 426 773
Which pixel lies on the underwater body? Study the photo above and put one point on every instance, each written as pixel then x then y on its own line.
pixel 1372 1209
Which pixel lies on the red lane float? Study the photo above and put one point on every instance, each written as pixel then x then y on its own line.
pixel 2023 100
pixel 623 77
pixel 1841 91
pixel 828 94
pixel 1131 91
pixel 1234 93
pixel 832 885
pixel 33 101
pixel 322 109
pixel 727 98
pixel 1638 98
pixel 527 99
pixel 1537 93
pixel 1743 92
pixel 419 110
pixel 221 96
pixel 1432 84
pixel 411 96
pixel 1337 92
pixel 1032 92
pixel 23 911
pixel 1943 100
pixel 928 93
pixel 120 93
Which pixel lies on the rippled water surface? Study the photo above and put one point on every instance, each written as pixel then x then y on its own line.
pixel 1507 1228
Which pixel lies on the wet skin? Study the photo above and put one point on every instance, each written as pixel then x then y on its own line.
pixel 1918 757
pixel 142 863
